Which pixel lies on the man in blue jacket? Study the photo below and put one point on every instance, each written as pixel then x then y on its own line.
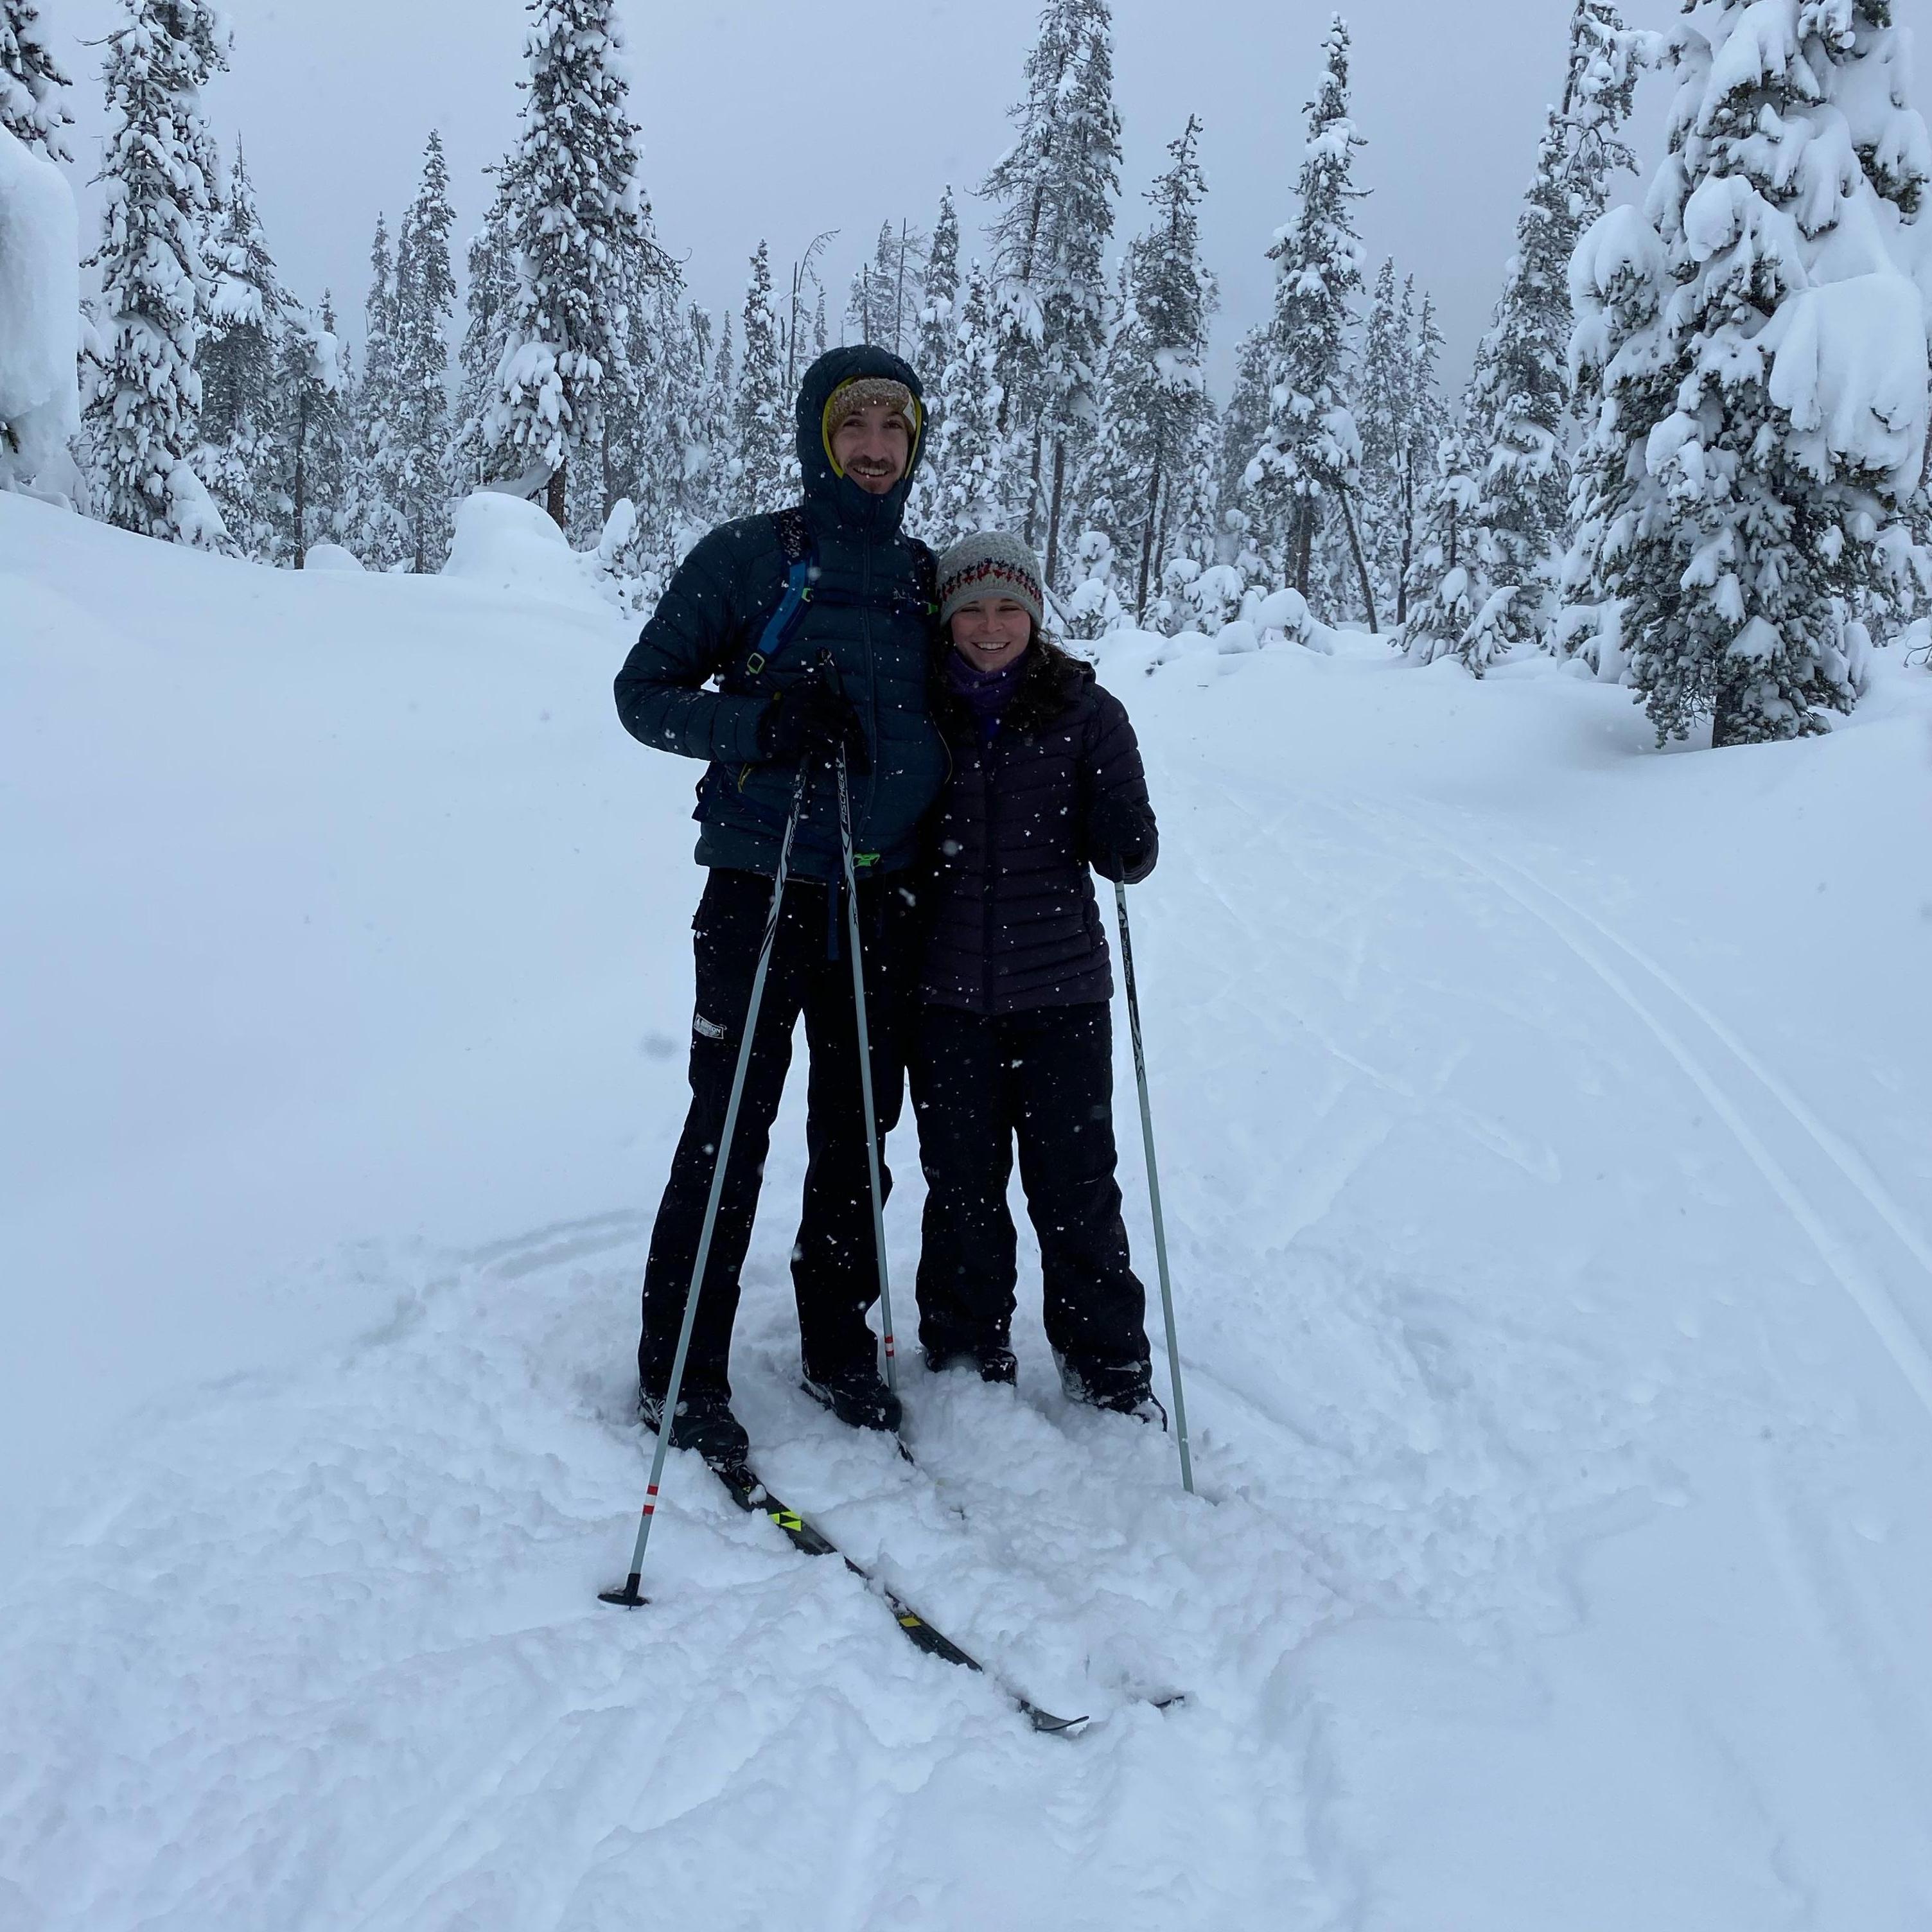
pixel 776 704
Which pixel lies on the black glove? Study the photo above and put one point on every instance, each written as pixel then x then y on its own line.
pixel 1118 838
pixel 810 721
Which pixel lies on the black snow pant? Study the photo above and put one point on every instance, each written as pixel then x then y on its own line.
pixel 835 1268
pixel 1045 1078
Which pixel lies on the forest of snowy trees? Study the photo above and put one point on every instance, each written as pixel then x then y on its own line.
pixel 1691 455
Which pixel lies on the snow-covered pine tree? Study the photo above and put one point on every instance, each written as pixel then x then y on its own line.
pixel 932 343
pixel 1305 471
pixel 675 444
pixel 580 212
pixel 31 107
pixel 821 340
pixel 718 411
pixel 1761 359
pixel 1054 190
pixel 239 360
pixel 761 416
pixel 938 312
pixel 1514 434
pixel 1519 437
pixel 1599 92
pixel 971 454
pixel 863 309
pixel 1155 394
pixel 1246 422
pixel 489 302
pixel 1385 373
pixel 1425 431
pixel 1194 529
pixel 425 298
pixel 159 170
pixel 312 439
pixel 379 523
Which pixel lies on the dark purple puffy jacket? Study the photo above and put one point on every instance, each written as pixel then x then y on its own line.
pixel 1012 922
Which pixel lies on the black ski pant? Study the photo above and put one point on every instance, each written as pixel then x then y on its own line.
pixel 1045 1080
pixel 834 1265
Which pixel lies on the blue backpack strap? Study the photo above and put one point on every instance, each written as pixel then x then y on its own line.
pixel 801 556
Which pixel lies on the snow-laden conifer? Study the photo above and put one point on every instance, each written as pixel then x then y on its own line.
pixel 1155 393
pixel 865 303
pixel 1307 462
pixel 159 173
pixel 1761 357
pixel 761 418
pixel 238 358
pixel 489 304
pixel 379 526
pixel 969 457
pixel 719 410
pixel 1383 410
pixel 938 313
pixel 32 107
pixel 425 299
pixel 677 441
pixel 312 437
pixel 1425 435
pixel 1053 192
pixel 1517 439
pixel 931 348
pixel 579 213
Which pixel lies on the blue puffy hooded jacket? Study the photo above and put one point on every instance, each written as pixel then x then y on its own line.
pixel 871 610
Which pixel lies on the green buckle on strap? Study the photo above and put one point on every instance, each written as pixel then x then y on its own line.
pixel 862 858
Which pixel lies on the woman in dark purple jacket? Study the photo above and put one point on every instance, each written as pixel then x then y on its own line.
pixel 1013 1038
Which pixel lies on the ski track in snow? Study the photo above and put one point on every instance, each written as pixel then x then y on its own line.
pixel 1895 1334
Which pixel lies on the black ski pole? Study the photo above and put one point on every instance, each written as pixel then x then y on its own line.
pixel 866 1073
pixel 1153 1189
pixel 627 1598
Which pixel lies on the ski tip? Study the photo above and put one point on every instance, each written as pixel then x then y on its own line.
pixel 1048 1725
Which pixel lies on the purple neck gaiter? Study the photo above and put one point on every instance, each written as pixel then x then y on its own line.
pixel 986 693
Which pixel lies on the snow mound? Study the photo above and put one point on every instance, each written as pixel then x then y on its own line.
pixel 331 557
pixel 40 311
pixel 503 543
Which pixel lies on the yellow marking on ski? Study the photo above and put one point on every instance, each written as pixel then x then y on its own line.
pixel 909 1622
pixel 785 1519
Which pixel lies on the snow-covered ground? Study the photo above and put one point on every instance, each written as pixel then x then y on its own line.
pixel 1547 1128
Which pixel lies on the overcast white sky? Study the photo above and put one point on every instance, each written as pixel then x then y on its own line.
pixel 774 119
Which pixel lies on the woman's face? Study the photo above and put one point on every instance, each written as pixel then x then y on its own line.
pixel 990 634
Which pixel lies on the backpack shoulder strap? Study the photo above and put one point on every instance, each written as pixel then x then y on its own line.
pixel 801 556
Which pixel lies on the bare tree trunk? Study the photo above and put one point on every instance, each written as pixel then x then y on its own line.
pixel 300 492
pixel 1361 564
pixel 1147 534
pixel 1304 544
pixel 554 496
pixel 1053 513
pixel 1408 536
pixel 1033 494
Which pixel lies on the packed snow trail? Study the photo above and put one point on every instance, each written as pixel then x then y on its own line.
pixel 1561 1554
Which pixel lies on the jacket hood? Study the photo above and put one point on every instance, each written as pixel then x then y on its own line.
pixel 826 490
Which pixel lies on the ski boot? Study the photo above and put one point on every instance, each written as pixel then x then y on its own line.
pixel 858 1396
pixel 703 1422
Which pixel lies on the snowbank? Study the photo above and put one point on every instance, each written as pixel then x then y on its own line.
pixel 40 316
pixel 502 543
